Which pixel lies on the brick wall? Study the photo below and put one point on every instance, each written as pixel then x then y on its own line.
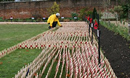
pixel 39 8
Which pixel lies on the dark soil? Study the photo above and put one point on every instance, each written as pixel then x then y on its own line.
pixel 117 51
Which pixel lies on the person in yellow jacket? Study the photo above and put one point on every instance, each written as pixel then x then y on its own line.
pixel 53 20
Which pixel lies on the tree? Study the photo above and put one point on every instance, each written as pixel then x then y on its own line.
pixel 118 9
pixel 94 13
pixel 54 9
pixel 125 11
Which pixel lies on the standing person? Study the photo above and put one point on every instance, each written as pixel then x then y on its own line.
pixel 53 20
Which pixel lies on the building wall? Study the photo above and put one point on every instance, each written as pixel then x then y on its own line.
pixel 39 8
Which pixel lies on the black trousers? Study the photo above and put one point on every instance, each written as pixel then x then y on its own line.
pixel 53 25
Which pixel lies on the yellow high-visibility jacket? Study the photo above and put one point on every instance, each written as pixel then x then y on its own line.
pixel 52 19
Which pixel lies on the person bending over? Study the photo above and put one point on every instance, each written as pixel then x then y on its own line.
pixel 53 20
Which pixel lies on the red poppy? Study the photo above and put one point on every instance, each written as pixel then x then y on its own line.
pixel 96 25
pixel 90 20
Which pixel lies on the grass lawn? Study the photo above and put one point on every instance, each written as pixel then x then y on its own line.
pixel 10 35
pixel 13 62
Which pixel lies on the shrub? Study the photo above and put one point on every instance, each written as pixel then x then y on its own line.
pixel 54 9
pixel 1 19
pixel 83 13
pixel 89 13
pixel 28 20
pixel 125 11
pixel 74 16
pixel 111 10
pixel 118 10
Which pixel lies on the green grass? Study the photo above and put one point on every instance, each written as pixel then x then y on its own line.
pixel 11 34
pixel 13 62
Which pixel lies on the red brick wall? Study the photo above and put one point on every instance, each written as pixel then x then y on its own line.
pixel 29 9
